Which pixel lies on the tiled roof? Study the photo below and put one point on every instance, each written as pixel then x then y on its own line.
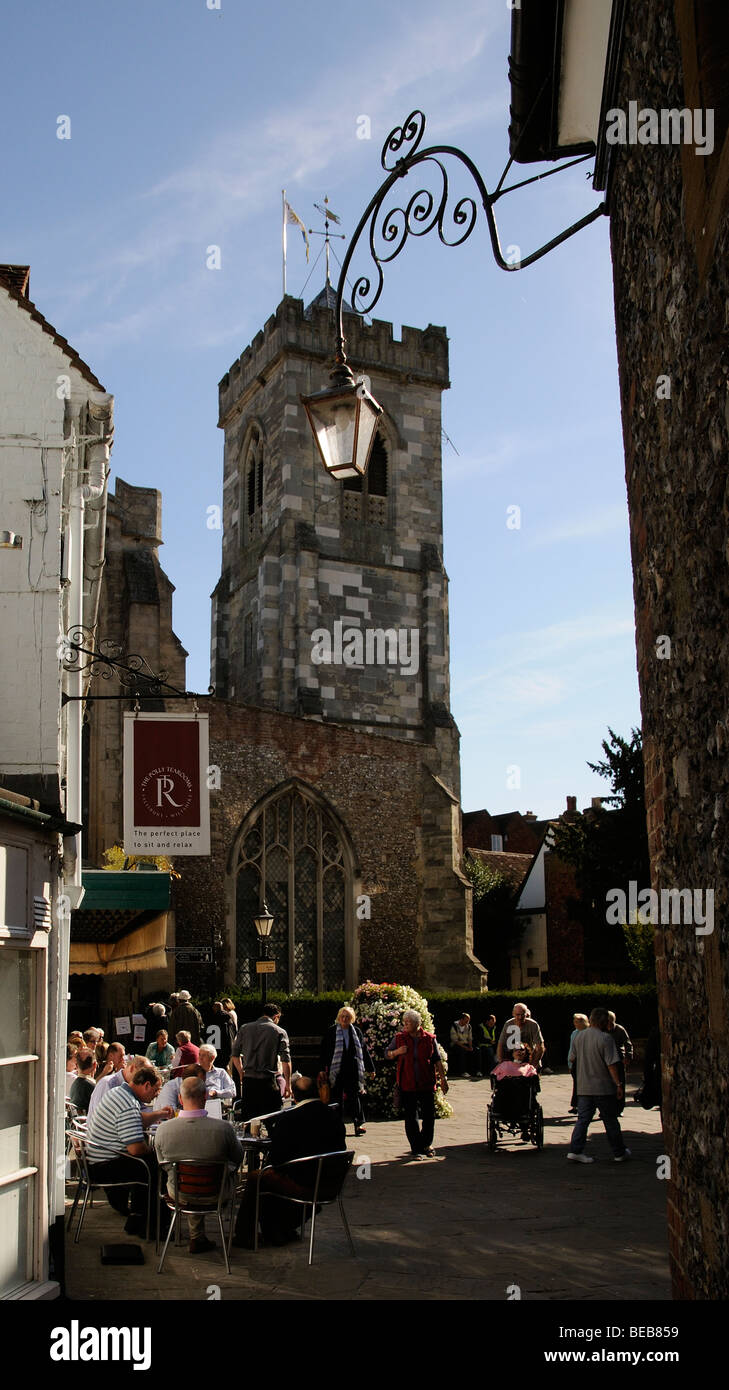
pixel 15 280
pixel 514 867
pixel 327 299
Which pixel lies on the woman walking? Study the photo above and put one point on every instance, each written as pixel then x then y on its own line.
pixel 419 1066
pixel 344 1061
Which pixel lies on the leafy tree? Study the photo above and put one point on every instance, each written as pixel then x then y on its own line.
pixel 608 849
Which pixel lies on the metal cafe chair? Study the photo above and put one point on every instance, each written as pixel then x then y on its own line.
pixel 88 1184
pixel 212 1187
pixel 331 1172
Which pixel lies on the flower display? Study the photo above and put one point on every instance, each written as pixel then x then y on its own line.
pixel 379 1009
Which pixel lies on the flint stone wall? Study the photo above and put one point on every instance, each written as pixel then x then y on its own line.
pixel 671 322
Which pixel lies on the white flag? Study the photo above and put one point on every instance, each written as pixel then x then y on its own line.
pixel 291 216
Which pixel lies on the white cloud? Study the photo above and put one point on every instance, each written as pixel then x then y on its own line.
pixel 229 181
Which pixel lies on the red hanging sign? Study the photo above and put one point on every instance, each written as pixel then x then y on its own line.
pixel 166 796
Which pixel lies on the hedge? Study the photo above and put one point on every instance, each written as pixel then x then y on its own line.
pixel 552 1006
pixel 309 1015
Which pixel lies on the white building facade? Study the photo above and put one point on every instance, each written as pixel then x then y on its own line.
pixel 56 426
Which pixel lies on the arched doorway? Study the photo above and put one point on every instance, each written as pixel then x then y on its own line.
pixel 294 853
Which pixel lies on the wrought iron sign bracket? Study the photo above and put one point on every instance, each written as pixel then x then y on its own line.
pixel 79 651
pixel 426 210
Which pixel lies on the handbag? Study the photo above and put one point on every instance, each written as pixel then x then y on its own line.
pixel 325 1092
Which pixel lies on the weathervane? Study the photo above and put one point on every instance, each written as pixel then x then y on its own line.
pixel 328 216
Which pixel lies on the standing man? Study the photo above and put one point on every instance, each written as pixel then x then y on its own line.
pixel 418 1067
pixel 255 1056
pixel 620 1037
pixel 598 1088
pixel 519 1029
pixel 195 1136
pixel 185 1018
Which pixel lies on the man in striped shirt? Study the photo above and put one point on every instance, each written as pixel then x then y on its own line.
pixel 116 1145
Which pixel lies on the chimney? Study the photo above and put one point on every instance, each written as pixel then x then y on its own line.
pixel 571 803
pixel 529 815
pixel 17 277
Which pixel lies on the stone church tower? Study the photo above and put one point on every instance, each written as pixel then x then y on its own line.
pixel 304 554
pixel 330 732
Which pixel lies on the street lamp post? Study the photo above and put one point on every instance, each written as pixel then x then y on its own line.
pixel 263 924
pixel 343 418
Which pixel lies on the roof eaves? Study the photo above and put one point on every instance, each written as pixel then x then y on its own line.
pixel 27 304
pixel 534 79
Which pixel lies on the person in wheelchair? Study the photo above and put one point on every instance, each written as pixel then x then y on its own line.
pixel 515 1084
pixel 520 1064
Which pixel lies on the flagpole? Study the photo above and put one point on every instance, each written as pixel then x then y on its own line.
pixel 283 236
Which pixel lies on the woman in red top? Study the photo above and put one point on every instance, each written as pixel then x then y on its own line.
pixel 187 1053
pixel 418 1065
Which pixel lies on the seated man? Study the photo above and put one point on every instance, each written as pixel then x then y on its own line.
pixel 195 1136
pixel 116 1145
pixel 129 1066
pixel 308 1128
pixel 160 1052
pixel 217 1081
pixel 461 1054
pixel 170 1093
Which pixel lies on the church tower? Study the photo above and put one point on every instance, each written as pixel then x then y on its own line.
pixel 333 599
pixel 338 760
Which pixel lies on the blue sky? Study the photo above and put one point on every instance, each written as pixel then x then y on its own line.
pixel 185 125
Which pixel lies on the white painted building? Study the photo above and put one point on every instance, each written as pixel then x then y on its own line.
pixel 56 425
pixel 530 958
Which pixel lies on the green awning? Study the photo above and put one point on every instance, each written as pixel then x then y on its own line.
pixel 130 890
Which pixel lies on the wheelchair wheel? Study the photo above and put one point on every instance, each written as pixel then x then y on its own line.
pixel 539 1128
pixel 491 1134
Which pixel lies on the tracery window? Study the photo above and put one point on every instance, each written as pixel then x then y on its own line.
pixel 292 856
pixel 253 486
pixel 365 499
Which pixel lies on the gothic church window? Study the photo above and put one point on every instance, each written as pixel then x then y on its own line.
pixel 292 856
pixel 365 499
pixel 253 485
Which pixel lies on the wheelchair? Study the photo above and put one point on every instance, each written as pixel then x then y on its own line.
pixel 514 1110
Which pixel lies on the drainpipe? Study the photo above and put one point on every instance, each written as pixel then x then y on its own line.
pixel 95 466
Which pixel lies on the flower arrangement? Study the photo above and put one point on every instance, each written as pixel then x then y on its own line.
pixel 379 1009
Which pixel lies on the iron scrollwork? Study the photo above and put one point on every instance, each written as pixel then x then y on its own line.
pixel 80 651
pixel 426 210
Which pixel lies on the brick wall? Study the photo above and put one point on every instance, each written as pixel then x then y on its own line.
pixel 565 935
pixel 401 819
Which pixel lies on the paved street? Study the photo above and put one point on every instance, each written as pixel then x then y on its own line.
pixel 465 1225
